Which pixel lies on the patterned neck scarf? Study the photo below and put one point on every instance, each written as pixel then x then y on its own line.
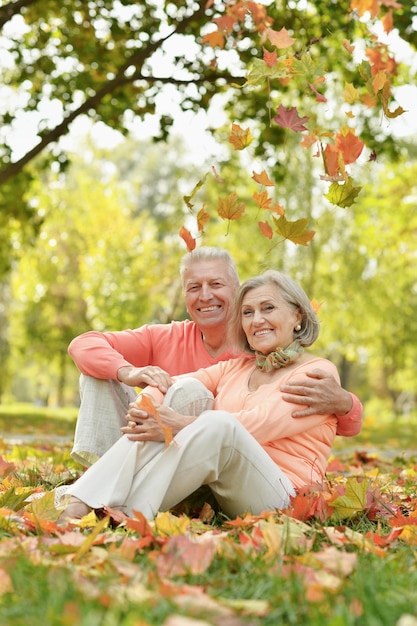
pixel 281 357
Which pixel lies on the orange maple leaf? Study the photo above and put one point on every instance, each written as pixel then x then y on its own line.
pixel 331 159
pixel 388 22
pixel 240 138
pixel 270 58
pixel 145 402
pixel 362 6
pixel 349 145
pixel 263 179
pixel 348 46
pixel 280 38
pixel 308 140
pixel 202 218
pixel 262 200
pixel 187 237
pixel 225 23
pixel 214 39
pixel 230 208
pixel 265 229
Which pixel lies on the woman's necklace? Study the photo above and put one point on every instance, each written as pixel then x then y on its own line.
pixel 281 357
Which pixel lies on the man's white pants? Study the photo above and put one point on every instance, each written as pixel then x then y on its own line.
pixel 103 409
pixel 215 450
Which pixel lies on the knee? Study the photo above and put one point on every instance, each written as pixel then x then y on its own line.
pixel 189 396
pixel 220 422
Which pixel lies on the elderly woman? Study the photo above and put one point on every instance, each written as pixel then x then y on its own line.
pixel 231 428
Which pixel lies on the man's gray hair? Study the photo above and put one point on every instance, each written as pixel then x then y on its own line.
pixel 207 253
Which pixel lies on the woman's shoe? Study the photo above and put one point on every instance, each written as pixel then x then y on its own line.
pixel 76 509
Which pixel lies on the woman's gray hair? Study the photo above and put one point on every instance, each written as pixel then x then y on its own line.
pixel 207 253
pixel 293 295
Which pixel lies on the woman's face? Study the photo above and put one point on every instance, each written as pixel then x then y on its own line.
pixel 267 320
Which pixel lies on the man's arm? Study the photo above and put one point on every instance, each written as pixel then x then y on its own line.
pixel 323 394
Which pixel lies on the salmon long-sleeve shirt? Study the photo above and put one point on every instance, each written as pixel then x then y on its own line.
pixel 299 446
pixel 177 348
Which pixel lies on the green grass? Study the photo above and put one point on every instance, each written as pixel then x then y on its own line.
pixel 48 591
pixel 32 420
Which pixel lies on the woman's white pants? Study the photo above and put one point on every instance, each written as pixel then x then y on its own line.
pixel 215 450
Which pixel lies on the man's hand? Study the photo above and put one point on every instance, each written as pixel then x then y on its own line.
pixel 320 393
pixel 143 376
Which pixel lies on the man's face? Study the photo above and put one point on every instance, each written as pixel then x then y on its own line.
pixel 209 293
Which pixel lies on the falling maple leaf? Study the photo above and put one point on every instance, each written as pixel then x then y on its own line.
pixel 350 94
pixel 319 96
pixel 191 196
pixel 187 237
pixel 265 229
pixel 289 118
pixel 280 39
pixel 240 138
pixel 388 21
pixel 347 46
pixel 270 58
pixel 214 39
pixel 202 218
pixel 263 179
pixel 230 208
pixel 262 200
pixel 344 194
pixel 386 94
pixel 362 6
pixel 296 231
pixel 349 145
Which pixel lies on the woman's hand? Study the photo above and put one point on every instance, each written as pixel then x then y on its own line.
pixel 142 426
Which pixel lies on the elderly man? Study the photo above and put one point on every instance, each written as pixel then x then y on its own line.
pixel 112 364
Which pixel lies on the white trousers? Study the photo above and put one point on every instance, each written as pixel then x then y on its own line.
pixel 103 409
pixel 215 450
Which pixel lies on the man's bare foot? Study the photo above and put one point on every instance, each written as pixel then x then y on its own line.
pixel 76 509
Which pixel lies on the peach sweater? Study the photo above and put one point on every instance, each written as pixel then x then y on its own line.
pixel 300 446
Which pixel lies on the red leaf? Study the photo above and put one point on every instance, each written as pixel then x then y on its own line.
pixel 270 58
pixel 289 118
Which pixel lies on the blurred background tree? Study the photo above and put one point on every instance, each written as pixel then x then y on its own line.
pixel 89 233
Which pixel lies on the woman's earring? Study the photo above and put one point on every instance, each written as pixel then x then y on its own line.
pixel 298 327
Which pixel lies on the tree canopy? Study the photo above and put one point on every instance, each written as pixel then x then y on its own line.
pixel 279 63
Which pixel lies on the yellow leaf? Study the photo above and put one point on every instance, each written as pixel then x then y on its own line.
pixel 240 138
pixel 98 527
pixel 294 231
pixel 350 93
pixel 169 525
pixel 230 208
pixel 354 499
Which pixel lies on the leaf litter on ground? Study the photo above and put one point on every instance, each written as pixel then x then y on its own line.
pixel 367 506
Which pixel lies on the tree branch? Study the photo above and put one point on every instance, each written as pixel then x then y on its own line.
pixel 137 60
pixel 12 9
